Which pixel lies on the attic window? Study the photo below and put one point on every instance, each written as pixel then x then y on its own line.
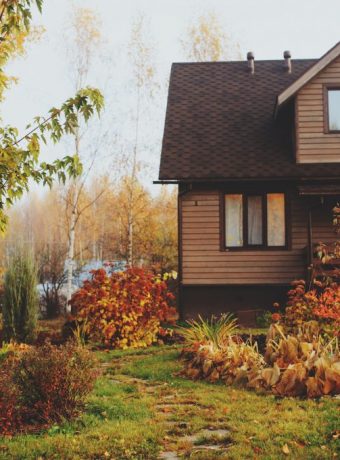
pixel 333 104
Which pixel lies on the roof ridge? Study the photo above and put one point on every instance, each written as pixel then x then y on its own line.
pixel 242 61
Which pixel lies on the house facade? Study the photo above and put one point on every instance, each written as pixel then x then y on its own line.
pixel 254 148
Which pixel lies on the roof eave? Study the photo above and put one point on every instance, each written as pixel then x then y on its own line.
pixel 314 70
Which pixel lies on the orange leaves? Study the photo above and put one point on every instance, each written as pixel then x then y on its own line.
pixel 124 309
pixel 322 303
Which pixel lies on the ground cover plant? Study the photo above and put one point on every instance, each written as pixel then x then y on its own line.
pixel 123 309
pixel 141 407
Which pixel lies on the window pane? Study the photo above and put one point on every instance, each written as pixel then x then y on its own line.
pixel 334 109
pixel 276 219
pixel 255 220
pixel 233 220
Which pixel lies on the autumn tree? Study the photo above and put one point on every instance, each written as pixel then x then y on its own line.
pixel 85 38
pixel 19 153
pixel 206 40
pixel 144 85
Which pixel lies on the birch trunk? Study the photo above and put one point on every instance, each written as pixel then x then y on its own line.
pixel 70 258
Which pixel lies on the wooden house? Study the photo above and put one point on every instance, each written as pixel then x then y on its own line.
pixel 254 147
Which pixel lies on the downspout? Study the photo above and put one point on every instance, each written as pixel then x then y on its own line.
pixel 181 193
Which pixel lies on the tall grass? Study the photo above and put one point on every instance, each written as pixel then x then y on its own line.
pixel 20 305
pixel 215 331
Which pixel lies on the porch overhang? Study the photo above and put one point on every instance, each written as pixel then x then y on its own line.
pixel 319 190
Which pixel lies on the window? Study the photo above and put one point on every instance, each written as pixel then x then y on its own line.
pixel 255 220
pixel 333 103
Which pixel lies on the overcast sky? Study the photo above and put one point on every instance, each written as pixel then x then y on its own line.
pixel 308 28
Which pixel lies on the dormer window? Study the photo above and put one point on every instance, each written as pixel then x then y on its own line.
pixel 332 114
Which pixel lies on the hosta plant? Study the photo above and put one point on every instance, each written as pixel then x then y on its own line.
pixel 214 352
pixel 299 367
pixel 123 309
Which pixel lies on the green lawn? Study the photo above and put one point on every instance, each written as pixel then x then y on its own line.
pixel 140 408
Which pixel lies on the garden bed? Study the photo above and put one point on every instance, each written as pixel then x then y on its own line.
pixel 141 410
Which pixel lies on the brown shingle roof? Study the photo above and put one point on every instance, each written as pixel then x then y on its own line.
pixel 219 123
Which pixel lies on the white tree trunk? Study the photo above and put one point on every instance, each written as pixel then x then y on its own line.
pixel 70 258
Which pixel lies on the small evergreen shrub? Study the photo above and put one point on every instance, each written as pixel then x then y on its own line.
pixel 20 299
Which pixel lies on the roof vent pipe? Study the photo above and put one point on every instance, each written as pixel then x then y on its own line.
pixel 288 63
pixel 250 59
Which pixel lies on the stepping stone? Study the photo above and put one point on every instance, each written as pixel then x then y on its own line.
pixel 214 447
pixel 168 456
pixel 206 434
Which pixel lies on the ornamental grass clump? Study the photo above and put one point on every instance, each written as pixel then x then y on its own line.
pixel 124 309
pixel 20 299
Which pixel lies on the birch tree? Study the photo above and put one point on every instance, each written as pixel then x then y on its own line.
pixel 205 40
pixel 144 86
pixel 86 37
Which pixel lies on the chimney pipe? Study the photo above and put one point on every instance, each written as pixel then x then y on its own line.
pixel 251 64
pixel 288 63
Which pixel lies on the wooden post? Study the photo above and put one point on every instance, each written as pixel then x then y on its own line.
pixel 310 246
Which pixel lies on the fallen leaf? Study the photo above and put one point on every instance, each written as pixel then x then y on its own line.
pixel 285 449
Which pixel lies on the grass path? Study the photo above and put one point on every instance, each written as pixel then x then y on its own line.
pixel 141 410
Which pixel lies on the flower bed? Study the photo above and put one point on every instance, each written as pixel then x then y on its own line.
pixel 302 365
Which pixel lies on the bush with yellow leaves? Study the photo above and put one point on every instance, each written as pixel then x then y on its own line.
pixel 123 309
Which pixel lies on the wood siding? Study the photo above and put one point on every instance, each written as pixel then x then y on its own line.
pixel 313 144
pixel 203 261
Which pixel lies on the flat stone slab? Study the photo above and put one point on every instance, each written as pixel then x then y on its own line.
pixel 206 435
pixel 168 456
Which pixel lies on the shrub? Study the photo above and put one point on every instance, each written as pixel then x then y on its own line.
pixel 20 300
pixel 42 386
pixel 123 309
pixel 321 303
pixel 11 416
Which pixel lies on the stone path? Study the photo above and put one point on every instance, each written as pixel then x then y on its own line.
pixel 171 405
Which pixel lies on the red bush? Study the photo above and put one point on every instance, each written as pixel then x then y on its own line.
pixel 42 386
pixel 11 417
pixel 123 309
pixel 321 303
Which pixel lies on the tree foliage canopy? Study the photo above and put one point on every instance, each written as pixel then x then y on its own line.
pixel 19 154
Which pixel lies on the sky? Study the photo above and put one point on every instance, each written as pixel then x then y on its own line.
pixel 308 28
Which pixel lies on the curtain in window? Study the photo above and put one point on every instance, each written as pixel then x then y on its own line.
pixel 234 220
pixel 276 219
pixel 334 109
pixel 255 220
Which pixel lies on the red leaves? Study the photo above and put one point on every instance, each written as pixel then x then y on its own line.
pixel 42 386
pixel 124 309
pixel 322 303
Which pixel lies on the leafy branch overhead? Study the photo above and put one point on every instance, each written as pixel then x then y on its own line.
pixel 19 155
